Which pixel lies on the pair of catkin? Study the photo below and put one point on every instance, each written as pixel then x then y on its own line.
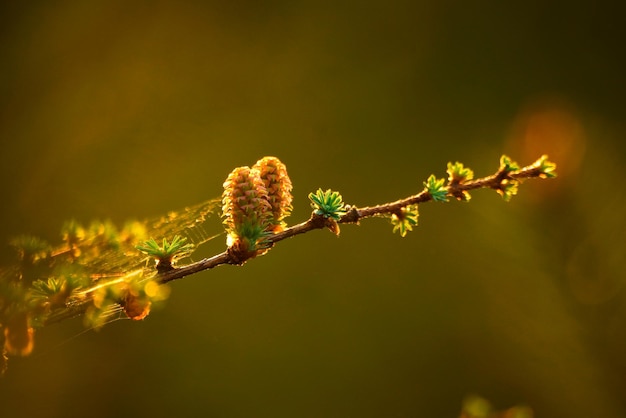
pixel 255 202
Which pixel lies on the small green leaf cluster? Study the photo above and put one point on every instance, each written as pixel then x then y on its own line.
pixel 508 186
pixel 404 220
pixel 328 204
pixel 30 249
pixel 436 188
pixel 546 168
pixel 457 175
pixel 166 253
pixel 507 164
pixel 54 292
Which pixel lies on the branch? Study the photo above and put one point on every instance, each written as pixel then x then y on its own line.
pixel 498 181
pixel 100 270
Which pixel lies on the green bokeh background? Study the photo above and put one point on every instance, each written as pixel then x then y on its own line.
pixel 118 110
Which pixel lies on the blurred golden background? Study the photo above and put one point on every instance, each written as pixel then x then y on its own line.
pixel 118 110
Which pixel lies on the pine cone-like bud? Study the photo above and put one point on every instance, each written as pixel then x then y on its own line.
pixel 245 207
pixel 273 173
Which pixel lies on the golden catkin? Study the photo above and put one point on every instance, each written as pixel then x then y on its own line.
pixel 245 207
pixel 278 185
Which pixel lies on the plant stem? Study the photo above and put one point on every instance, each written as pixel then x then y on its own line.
pixel 354 215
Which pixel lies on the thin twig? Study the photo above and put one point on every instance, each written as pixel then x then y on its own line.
pixel 354 215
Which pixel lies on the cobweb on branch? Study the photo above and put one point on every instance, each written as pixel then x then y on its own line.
pixel 198 224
